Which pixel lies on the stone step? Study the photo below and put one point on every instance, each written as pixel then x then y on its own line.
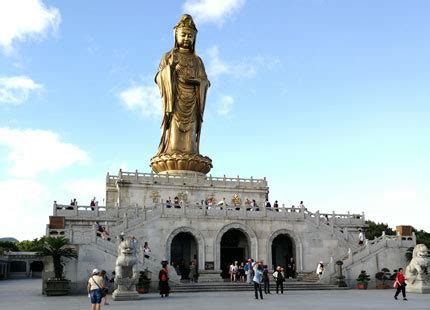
pixel 229 287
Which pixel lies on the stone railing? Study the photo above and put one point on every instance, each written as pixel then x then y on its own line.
pixel 191 179
pixel 126 217
pixel 369 248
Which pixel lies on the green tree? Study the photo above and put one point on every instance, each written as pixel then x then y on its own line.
pixel 8 246
pixel 375 230
pixel 35 245
pixel 57 248
pixel 422 237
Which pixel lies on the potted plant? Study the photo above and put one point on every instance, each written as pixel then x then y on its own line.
pixel 57 248
pixel 383 276
pixel 362 280
pixel 144 282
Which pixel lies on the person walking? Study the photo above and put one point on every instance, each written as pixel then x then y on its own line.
pixel 258 277
pixel 279 277
pixel 320 269
pixel 94 287
pixel 105 290
pixel 400 284
pixel 266 280
pixel 360 237
pixel 163 278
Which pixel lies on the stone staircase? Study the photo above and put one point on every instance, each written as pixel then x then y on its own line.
pixel 289 285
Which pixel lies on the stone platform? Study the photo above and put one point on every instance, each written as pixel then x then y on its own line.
pixel 304 300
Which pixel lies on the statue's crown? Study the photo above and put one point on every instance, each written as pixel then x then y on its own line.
pixel 186 21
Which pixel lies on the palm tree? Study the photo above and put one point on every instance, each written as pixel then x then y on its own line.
pixel 56 247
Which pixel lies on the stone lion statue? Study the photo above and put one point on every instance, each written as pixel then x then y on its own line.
pixel 126 265
pixel 418 267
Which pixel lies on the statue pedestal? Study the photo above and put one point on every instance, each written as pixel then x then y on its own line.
pixel 125 295
pixel 126 290
pixel 419 286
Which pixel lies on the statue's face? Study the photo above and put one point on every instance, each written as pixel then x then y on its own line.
pixel 185 38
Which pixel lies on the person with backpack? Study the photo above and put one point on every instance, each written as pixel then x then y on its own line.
pixel 279 277
pixel 163 277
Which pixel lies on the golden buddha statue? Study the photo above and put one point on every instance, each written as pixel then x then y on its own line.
pixel 183 84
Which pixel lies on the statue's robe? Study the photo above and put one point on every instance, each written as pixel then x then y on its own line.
pixel 183 103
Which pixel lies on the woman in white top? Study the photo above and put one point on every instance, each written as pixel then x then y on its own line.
pixel 95 287
pixel 320 269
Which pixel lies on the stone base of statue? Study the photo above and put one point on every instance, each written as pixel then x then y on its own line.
pixel 419 286
pixel 126 290
pixel 178 162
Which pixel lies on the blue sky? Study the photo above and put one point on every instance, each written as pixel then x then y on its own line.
pixel 326 99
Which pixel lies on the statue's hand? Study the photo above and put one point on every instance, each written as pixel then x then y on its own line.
pixel 173 59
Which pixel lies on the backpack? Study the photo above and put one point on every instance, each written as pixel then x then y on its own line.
pixel 246 267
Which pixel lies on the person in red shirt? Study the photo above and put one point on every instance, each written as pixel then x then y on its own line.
pixel 401 285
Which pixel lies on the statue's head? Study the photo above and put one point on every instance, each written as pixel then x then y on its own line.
pixel 420 250
pixel 185 32
pixel 127 248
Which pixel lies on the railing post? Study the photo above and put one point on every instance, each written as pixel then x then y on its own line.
pixel 317 215
pixel 76 209
pixel 96 208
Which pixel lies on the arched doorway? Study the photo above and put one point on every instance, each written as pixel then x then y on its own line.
pixel 234 247
pixel 282 250
pixel 183 250
pixel 36 268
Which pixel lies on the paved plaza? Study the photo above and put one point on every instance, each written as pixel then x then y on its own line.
pixel 26 294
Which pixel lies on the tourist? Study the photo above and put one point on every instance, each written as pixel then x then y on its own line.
pixel 222 203
pixel 121 236
pixel 168 203
pixel 254 206
pixel 193 271
pixel 279 277
pixel 176 202
pixel 105 290
pixel 320 269
pixel 360 237
pixel 266 280
pixel 302 206
pixel 276 206
pixel 292 268
pixel 241 272
pixel 247 269
pixel 399 284
pixel 268 205
pixel 146 250
pixel 257 279
pixel 94 288
pixel 93 203
pixel 163 277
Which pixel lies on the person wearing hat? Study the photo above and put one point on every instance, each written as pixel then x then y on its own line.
pixel 95 289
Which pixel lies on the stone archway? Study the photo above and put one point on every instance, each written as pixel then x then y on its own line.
pixel 288 244
pixel 198 238
pixel 248 233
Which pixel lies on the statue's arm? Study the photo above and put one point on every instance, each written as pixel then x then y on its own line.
pixel 203 88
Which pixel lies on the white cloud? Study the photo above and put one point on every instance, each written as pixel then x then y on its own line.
pixel 35 151
pixel 21 20
pixel 246 68
pixel 26 206
pixel 225 105
pixel 215 11
pixel 144 98
pixel 16 89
